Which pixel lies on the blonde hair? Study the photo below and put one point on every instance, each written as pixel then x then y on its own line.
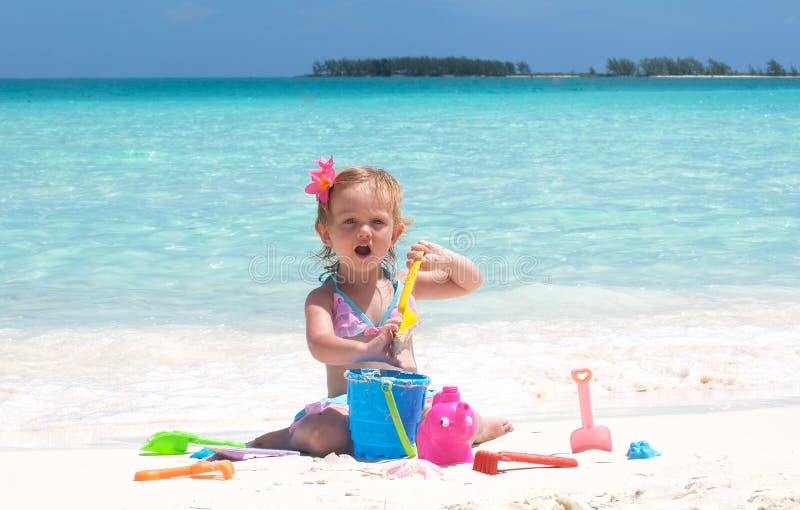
pixel 386 189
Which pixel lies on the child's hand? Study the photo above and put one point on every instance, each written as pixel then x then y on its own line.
pixel 379 348
pixel 443 273
pixel 433 256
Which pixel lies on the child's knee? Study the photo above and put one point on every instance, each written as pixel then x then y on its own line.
pixel 327 432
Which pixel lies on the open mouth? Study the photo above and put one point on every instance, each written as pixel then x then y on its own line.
pixel 363 250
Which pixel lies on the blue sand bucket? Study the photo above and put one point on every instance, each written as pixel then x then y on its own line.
pixel 385 411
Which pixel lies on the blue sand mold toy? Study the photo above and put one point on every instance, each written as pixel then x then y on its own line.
pixel 641 450
pixel 202 454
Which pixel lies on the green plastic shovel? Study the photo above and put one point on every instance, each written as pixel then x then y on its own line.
pixel 177 441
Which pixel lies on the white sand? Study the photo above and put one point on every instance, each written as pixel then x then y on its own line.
pixel 737 459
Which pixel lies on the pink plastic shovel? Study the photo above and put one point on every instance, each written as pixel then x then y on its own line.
pixel 589 436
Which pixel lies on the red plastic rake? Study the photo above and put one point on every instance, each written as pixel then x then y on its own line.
pixel 486 462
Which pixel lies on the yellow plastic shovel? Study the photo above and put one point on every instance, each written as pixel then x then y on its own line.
pixel 409 316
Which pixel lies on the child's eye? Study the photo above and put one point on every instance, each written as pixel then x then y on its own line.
pixel 349 221
pixel 378 221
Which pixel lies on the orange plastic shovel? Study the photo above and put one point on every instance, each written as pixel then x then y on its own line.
pixel 202 469
pixel 589 436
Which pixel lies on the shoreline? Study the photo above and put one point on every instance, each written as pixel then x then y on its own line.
pixel 729 459
pixel 82 386
pixel 255 425
pixel 251 426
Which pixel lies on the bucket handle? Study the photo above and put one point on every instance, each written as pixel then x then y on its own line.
pixel 411 449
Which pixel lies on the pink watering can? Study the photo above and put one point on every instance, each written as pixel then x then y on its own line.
pixel 445 434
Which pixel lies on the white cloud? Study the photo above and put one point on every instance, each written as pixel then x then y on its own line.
pixel 189 12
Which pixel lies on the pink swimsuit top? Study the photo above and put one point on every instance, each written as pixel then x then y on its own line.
pixel 349 321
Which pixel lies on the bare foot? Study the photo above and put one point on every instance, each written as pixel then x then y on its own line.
pixel 491 427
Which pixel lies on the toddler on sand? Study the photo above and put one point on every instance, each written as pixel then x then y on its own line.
pixel 352 318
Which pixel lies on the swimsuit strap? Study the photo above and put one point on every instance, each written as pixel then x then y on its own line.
pixel 398 289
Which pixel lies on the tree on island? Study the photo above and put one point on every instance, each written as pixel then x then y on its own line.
pixel 664 66
pixel 717 68
pixel 621 67
pixel 775 69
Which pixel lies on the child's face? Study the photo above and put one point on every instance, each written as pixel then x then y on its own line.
pixel 361 229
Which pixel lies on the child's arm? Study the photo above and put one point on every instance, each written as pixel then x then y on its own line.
pixel 330 349
pixel 443 273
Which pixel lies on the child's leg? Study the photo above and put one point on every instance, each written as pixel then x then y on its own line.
pixel 323 433
pixel 316 434
pixel 275 440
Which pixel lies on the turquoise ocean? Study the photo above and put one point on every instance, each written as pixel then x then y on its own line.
pixel 156 245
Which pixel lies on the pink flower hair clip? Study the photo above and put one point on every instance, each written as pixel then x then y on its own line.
pixel 321 180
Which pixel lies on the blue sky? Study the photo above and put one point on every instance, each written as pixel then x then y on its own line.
pixel 142 38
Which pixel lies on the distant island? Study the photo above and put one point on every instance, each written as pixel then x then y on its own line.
pixel 418 66
pixel 688 66
pixel 460 66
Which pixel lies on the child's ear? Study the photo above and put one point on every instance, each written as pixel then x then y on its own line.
pixel 398 231
pixel 324 235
